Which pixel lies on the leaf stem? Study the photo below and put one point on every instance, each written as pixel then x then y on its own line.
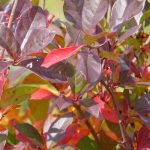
pixel 12 13
pixel 43 4
pixel 126 142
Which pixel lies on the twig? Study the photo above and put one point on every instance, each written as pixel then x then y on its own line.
pixel 12 14
pixel 109 11
pixel 127 144
pixel 88 124
pixel 147 41
pixel 43 4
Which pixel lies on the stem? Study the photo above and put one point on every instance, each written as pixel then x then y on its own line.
pixel 12 14
pixel 43 4
pixel 147 41
pixel 88 124
pixel 128 146
pixel 109 11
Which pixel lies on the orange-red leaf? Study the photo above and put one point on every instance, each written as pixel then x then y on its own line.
pixel 58 55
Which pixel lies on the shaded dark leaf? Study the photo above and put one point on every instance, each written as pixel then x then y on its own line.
pixel 142 106
pixel 58 72
pixel 143 139
pixel 93 12
pixel 30 132
pixel 88 144
pixel 8 41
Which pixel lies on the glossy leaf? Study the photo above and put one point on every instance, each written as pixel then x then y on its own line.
pixel 58 72
pixel 58 55
pixel 93 12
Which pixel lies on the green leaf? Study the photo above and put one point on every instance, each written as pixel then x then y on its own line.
pixel 88 144
pixel 30 132
pixel 109 55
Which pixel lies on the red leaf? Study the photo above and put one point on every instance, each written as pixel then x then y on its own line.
pixel 105 110
pixel 143 140
pixel 41 94
pixel 58 55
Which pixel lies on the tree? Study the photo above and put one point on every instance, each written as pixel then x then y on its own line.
pixel 82 83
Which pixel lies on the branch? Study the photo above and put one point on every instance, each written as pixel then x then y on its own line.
pixel 88 124
pixel 12 13
pixel 109 11
pixel 126 142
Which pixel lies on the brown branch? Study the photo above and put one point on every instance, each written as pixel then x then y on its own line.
pixel 126 142
pixel 88 124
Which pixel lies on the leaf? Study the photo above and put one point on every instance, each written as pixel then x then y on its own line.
pixel 89 65
pixel 21 7
pixel 38 39
pixel 63 102
pixel 57 127
pixel 143 139
pixel 93 12
pixel 57 73
pixel 33 18
pixel 41 94
pixel 8 41
pixel 142 106
pixel 88 144
pixel 128 33
pixel 73 11
pixel 3 65
pixel 123 10
pixel 30 132
pixel 3 137
pixel 39 110
pixel 58 55
pixel 109 55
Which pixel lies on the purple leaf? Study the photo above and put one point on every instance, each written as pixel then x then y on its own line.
pixel 3 65
pixel 123 10
pixel 93 12
pixel 22 6
pixel 8 41
pixel 33 18
pixel 142 106
pixel 57 128
pixel 128 33
pixel 73 11
pixel 57 73
pixel 38 39
pixel 89 64
pixel 63 102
